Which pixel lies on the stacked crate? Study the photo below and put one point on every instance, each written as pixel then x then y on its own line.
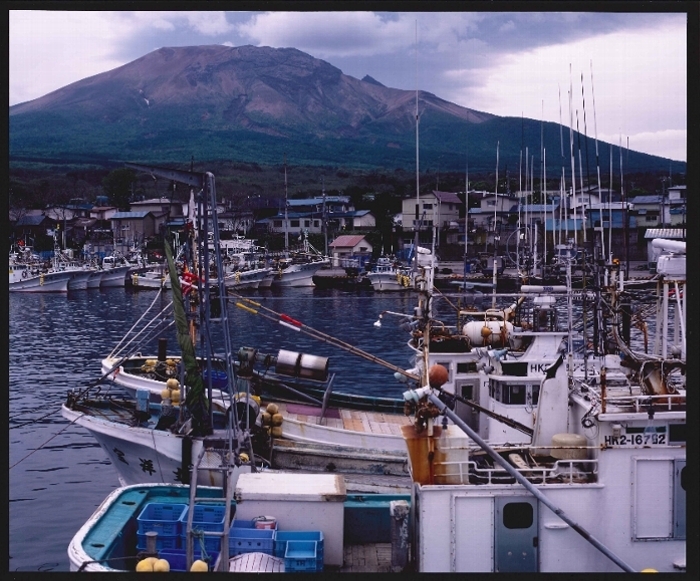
pixel 243 537
pixel 164 519
pixel 206 517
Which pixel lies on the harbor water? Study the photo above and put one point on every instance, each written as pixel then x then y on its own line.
pixel 59 475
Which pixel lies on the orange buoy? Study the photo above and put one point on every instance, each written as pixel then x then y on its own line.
pixel 438 375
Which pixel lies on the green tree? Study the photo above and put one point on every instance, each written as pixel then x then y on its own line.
pixel 117 185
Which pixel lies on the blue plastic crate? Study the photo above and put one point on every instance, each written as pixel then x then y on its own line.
pixel 301 556
pixel 211 543
pixel 177 558
pixel 250 540
pixel 161 518
pixel 206 517
pixel 282 537
pixel 162 542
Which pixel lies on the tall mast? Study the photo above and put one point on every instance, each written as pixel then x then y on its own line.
pixel 580 174
pixel 571 156
pixel 416 223
pixel 286 230
pixel 562 210
pixel 597 164
pixel 466 215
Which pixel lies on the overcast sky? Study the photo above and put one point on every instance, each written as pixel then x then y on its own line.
pixel 505 63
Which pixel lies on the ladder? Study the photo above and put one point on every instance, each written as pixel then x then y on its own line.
pixel 204 462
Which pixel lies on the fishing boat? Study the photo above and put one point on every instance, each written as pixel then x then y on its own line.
pixel 297 269
pixel 248 278
pixel 605 441
pixel 154 441
pixel 390 275
pixel 245 272
pixel 537 506
pixel 150 442
pixel 359 535
pixel 154 278
pixel 387 275
pixel 115 269
pixel 33 279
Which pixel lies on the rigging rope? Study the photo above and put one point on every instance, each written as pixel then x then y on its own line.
pixel 47 441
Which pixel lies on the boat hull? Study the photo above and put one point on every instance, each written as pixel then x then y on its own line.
pixel 298 275
pixel 146 454
pixel 79 279
pixel 247 279
pixel 114 277
pixel 43 283
pixel 389 282
pixel 150 281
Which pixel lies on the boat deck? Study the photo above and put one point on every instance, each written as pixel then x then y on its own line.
pixel 355 420
pixel 374 558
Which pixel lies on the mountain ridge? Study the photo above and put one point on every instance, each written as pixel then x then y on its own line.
pixel 259 104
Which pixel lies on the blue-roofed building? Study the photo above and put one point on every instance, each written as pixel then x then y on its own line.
pixel 333 204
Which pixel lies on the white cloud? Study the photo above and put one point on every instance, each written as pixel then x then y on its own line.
pixel 671 143
pixel 328 34
pixel 639 82
pixel 47 50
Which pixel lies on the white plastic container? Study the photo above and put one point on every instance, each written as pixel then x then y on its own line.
pixel 299 502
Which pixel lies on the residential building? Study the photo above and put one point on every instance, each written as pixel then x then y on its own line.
pixel 434 209
pixel 134 229
pixel 348 249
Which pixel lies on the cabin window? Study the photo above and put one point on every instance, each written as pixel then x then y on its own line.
pixel 514 394
pixel 307 223
pixel 294 223
pixel 446 365
pixel 427 206
pixel 277 223
pixel 676 434
pixel 317 223
pixel 469 367
pixel 518 515
pixel 468 392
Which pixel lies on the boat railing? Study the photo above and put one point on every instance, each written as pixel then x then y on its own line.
pixel 627 398
pixel 567 471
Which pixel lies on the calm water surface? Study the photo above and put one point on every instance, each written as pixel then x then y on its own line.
pixel 59 474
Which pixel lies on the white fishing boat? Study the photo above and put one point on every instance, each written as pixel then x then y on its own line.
pixel 115 269
pixel 155 278
pixel 331 529
pixel 297 269
pixel 387 275
pixel 390 275
pixel 249 278
pixel 599 487
pixel 79 277
pixel 33 279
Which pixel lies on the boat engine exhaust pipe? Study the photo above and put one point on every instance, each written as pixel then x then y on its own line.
pixel 527 484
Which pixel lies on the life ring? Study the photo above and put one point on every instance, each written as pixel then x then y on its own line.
pixel 24 274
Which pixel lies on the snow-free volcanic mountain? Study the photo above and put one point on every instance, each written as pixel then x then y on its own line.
pixel 259 104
